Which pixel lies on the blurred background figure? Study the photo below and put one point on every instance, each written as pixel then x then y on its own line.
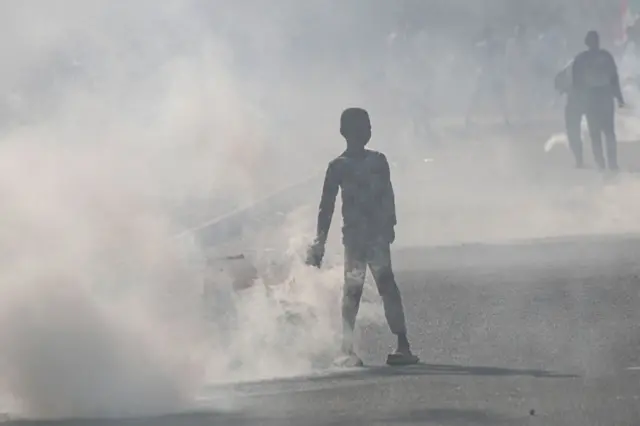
pixel 596 84
pixel 491 75
pixel 520 88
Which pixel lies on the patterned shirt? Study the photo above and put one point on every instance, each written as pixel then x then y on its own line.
pixel 368 204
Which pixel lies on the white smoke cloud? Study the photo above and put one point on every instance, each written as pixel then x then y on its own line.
pixel 126 123
pixel 102 314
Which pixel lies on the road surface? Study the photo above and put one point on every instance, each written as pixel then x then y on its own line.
pixel 534 333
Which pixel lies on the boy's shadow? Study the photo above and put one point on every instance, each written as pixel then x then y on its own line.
pixel 423 369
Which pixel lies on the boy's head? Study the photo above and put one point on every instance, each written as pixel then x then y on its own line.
pixel 355 126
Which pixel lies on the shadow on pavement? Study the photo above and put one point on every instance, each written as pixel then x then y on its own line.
pixel 443 416
pixel 440 370
pixel 440 416
pixel 449 417
pixel 181 419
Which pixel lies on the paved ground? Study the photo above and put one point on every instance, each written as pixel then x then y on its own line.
pixel 542 333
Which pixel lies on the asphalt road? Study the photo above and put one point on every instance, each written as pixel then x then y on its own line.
pixel 536 333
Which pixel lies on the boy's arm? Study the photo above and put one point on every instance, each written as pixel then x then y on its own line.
pixel 389 202
pixel 325 214
pixel 327 203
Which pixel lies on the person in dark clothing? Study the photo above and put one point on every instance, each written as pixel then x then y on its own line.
pixel 491 81
pixel 369 218
pixel 596 85
pixel 633 37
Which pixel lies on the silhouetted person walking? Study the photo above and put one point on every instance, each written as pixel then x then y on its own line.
pixel 596 86
pixel 369 218
pixel 491 81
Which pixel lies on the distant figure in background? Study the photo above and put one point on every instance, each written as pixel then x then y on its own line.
pixel 596 85
pixel 549 55
pixel 492 75
pixel 633 37
pixel 410 78
pixel 369 218
pixel 520 91
pixel 631 48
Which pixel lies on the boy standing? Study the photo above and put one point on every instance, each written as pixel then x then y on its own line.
pixel 369 218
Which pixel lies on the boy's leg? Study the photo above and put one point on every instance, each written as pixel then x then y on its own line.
pixel 355 269
pixel 380 264
pixel 379 260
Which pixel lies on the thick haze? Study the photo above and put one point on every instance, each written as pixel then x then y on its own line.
pixel 123 123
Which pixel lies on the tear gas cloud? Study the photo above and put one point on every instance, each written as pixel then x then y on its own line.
pixel 124 124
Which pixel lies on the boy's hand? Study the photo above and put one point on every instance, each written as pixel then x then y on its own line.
pixel 315 253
